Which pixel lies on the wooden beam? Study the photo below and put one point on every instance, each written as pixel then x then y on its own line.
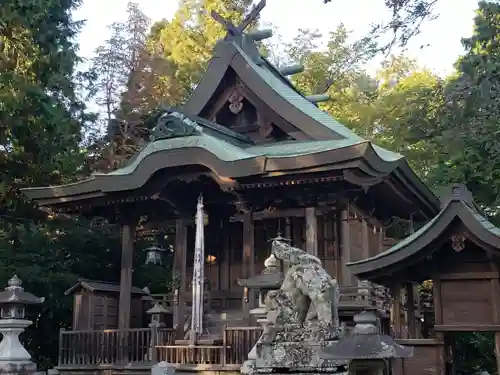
pixel 467 328
pixel 481 275
pixel 311 231
pixel 282 213
pixel 180 271
pixel 124 304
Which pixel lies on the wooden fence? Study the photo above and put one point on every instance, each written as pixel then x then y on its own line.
pixel 117 346
pixel 146 345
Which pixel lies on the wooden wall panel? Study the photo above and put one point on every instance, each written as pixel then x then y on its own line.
pixel 356 240
pixel 425 360
pixel 467 302
pixel 235 272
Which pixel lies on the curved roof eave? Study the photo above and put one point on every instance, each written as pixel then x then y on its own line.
pixel 217 156
pixel 456 207
pixel 415 185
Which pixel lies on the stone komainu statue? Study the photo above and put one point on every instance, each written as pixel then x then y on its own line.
pixel 308 293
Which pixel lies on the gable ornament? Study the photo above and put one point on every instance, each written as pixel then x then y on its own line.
pixel 458 242
pixel 235 102
pixel 173 125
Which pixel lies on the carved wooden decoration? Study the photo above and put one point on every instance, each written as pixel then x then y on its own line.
pixel 458 242
pixel 265 126
pixel 235 102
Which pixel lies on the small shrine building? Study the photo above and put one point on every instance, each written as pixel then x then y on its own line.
pixel 459 251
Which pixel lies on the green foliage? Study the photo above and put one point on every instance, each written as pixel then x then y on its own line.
pixel 405 22
pixel 470 116
pixel 474 352
pixel 41 122
pixel 186 43
pixel 40 115
pixel 49 258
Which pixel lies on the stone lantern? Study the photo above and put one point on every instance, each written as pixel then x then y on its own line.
pixel 13 301
pixel 157 313
pixel 368 351
pixel 269 279
pixel 154 254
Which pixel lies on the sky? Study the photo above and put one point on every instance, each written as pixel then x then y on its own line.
pixel 440 37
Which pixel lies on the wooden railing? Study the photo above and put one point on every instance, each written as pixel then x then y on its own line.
pixel 237 343
pixel 110 346
pixel 369 296
pixel 135 346
pixel 146 345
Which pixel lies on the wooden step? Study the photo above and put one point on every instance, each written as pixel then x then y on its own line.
pixel 202 341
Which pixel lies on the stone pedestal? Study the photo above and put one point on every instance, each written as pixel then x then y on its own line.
pixel 294 349
pixel 14 359
pixel 298 356
pixel 163 368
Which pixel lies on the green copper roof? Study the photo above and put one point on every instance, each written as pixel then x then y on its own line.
pixel 458 205
pixel 298 101
pixel 229 151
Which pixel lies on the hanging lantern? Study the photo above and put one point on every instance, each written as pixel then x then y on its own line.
pixel 154 254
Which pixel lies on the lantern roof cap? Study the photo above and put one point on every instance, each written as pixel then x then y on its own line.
pixel 157 309
pixel 155 248
pixel 14 294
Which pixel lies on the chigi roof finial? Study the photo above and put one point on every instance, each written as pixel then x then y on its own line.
pixel 234 30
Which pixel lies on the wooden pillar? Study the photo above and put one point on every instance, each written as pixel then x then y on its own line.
pixel 365 239
pixel 396 310
pixel 311 231
pixel 248 259
pixel 180 272
pixel 337 230
pixel 438 316
pixel 288 228
pixel 380 232
pixel 296 237
pixel 345 241
pixel 495 293
pixel 124 304
pixel 397 368
pixel 410 310
pixel 225 271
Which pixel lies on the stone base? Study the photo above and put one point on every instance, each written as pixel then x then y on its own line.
pixel 17 367
pixel 297 357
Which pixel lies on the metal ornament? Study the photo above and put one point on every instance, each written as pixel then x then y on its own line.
pixel 458 242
